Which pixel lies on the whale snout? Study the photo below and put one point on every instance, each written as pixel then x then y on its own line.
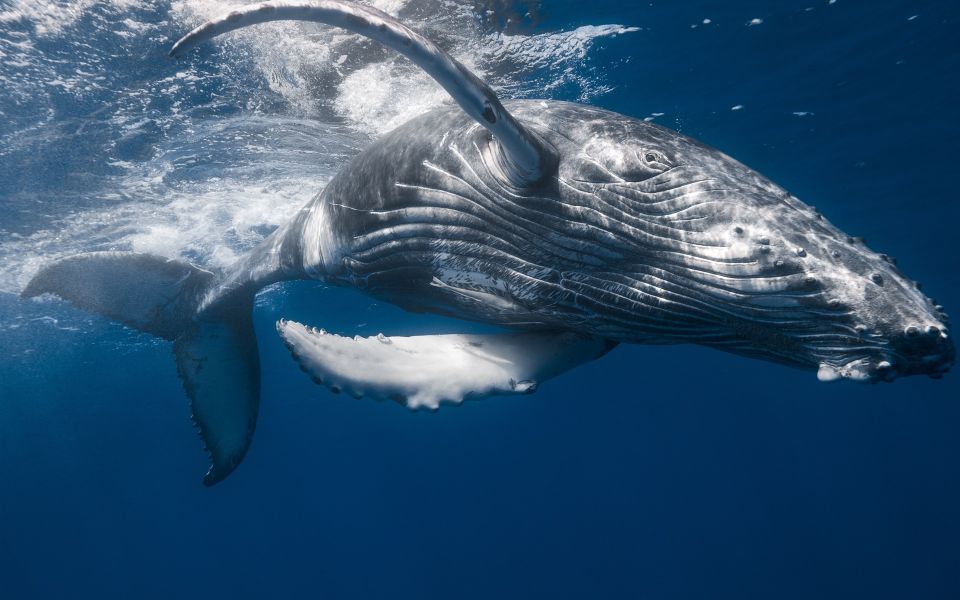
pixel 914 350
pixel 924 350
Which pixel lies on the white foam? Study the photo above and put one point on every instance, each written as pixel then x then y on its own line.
pixel 391 7
pixel 366 97
pixel 50 17
pixel 550 49
pixel 176 205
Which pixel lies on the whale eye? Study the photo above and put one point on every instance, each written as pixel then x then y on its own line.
pixel 606 160
pixel 655 160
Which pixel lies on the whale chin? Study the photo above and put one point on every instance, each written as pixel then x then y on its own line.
pixel 933 357
pixel 861 370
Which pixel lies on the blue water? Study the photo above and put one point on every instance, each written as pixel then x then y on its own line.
pixel 675 472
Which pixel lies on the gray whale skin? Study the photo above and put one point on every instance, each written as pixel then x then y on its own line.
pixel 572 227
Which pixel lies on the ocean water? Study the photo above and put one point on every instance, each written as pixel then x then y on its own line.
pixel 656 472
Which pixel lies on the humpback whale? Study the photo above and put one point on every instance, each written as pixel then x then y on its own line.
pixel 572 228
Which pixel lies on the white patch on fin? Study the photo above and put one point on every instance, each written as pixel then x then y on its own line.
pixel 422 371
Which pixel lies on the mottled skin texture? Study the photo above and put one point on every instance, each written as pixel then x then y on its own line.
pixel 643 235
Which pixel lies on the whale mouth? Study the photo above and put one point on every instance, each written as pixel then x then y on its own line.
pixel 875 371
pixel 889 366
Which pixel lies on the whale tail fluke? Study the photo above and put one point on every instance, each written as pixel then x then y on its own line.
pixel 215 348
pixel 149 293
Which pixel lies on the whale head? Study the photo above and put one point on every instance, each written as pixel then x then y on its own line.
pixel 711 252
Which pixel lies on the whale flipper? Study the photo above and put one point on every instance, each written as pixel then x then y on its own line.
pixel 523 157
pixel 215 349
pixel 422 371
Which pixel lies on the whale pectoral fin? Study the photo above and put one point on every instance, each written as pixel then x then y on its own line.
pixel 523 157
pixel 422 371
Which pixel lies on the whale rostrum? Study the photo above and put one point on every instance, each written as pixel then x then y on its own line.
pixel 571 227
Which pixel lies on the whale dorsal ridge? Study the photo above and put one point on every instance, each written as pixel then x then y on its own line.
pixel 526 158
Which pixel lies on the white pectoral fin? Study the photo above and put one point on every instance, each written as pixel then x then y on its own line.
pixel 423 371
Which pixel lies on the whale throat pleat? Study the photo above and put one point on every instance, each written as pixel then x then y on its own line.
pixel 523 157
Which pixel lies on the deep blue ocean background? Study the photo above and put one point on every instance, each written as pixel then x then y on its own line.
pixel 657 472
